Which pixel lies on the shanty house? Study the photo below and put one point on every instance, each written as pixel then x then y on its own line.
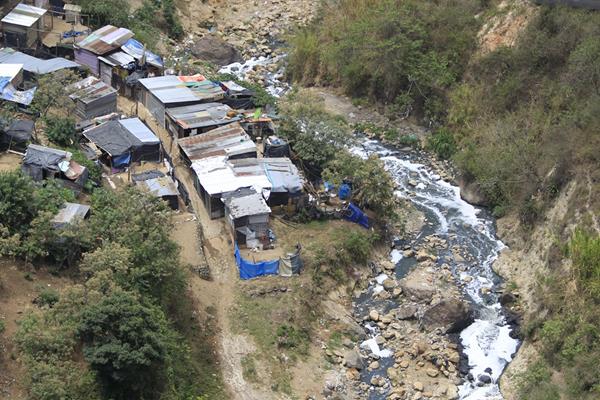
pixel 216 176
pixel 163 92
pixel 100 43
pixel 69 214
pixel 163 187
pixel 230 141
pixel 124 141
pixel 198 118
pixel 22 27
pixel 237 96
pixel 287 183
pixel 33 66
pixel 247 214
pixel 93 98
pixel 16 135
pixel 42 162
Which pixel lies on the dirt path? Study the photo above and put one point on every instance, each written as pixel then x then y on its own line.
pixel 205 241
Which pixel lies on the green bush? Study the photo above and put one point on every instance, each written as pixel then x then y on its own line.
pixel 47 297
pixel 442 143
pixel 584 250
pixel 289 337
pixel 61 130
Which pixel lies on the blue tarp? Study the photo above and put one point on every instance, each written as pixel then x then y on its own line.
pixel 137 51
pixel 344 192
pixel 250 270
pixel 122 160
pixel 355 214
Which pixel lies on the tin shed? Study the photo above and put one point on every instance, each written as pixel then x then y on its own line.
pixel 22 26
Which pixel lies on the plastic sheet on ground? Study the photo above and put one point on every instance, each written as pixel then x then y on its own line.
pixel 355 214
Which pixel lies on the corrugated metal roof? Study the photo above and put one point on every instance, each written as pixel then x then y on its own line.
pixel 33 64
pixel 10 71
pixel 245 202
pixel 138 129
pixel 90 89
pixel 226 141
pixel 69 213
pixel 24 15
pixel 202 115
pixel 159 187
pixel 105 39
pixel 218 176
pixel 137 50
pixel 182 89
pixel 118 58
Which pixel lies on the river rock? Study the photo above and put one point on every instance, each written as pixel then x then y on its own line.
pixel 374 365
pixel 353 360
pixel 215 50
pixel 484 378
pixel 352 374
pixel 389 284
pixel 407 311
pixel 418 386
pixel 452 315
pixel 374 315
pixel 377 380
pixel 432 372
pixel 470 192
pixel 452 392
pixel 417 284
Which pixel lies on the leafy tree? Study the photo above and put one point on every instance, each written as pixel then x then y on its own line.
pixel 125 343
pixel 61 130
pixel 16 201
pixel 51 94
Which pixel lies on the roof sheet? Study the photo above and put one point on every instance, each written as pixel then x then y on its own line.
pixel 201 115
pixel 33 64
pixel 118 58
pixel 10 70
pixel 182 89
pixel 138 129
pixel 217 176
pixel 45 157
pixel 105 39
pixel 160 187
pixel 226 141
pixel 90 89
pixel 138 51
pixel 283 174
pixel 69 213
pixel 116 138
pixel 24 15
pixel 245 202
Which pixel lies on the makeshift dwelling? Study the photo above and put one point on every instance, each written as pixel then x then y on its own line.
pixel 237 96
pixel 93 98
pixel 115 67
pixel 230 141
pixel 33 66
pixel 216 176
pixel 144 57
pixel 72 13
pixel 162 92
pixel 100 43
pixel 198 118
pixel 42 162
pixel 70 214
pixel 247 214
pixel 286 181
pixel 258 125
pixel 276 147
pixel 163 187
pixel 124 141
pixel 23 26
pixel 17 135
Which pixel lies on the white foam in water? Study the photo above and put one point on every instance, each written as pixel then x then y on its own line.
pixel 380 278
pixel 377 289
pixel 274 86
pixel 396 256
pixel 372 345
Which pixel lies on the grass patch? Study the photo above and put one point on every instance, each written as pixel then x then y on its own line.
pixel 249 371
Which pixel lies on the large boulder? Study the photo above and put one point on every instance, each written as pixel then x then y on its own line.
pixel 352 359
pixel 471 193
pixel 418 284
pixel 452 315
pixel 215 50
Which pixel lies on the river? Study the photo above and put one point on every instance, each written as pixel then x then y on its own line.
pixel 487 342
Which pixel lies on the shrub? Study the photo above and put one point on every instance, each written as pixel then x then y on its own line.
pixel 47 297
pixel 60 130
pixel 442 143
pixel 289 337
pixel 584 250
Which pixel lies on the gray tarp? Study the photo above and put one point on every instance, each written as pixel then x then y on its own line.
pixel 45 157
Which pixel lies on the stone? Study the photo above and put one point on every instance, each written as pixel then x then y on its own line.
pixel 404 364
pixel 352 374
pixel 407 311
pixel 388 335
pixel 408 253
pixel 215 50
pixel 452 315
pixel 374 315
pixel 432 372
pixel 389 284
pixel 396 292
pixel 471 192
pixel 374 365
pixel 380 340
pixel 417 396
pixel 377 380
pixel 352 359
pixel 386 319
pixel 347 343
pixel 418 386
pixel 416 284
pixel 452 392
pixel 484 378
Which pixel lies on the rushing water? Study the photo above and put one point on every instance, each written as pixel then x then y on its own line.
pixel 487 342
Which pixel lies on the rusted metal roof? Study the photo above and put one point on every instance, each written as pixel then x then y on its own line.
pixel 202 115
pixel 182 89
pixel 229 140
pixel 105 40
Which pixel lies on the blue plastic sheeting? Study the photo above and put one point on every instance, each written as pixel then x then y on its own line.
pixel 250 270
pixel 137 50
pixel 356 215
pixel 122 160
pixel 344 191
